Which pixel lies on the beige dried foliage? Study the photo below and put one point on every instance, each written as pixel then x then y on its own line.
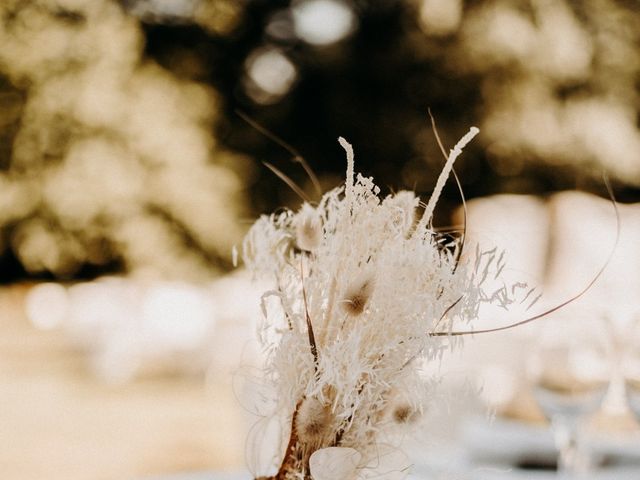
pixel 347 318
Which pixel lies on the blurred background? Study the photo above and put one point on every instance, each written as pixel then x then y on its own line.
pixel 128 172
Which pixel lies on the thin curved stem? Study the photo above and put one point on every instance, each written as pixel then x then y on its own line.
pixel 564 303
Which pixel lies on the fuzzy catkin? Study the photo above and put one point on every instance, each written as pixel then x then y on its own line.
pixel 357 297
pixel 313 422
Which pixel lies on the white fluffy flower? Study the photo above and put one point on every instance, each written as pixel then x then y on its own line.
pixel 362 285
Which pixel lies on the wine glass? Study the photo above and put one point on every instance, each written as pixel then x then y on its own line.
pixel 569 369
pixel 631 370
pixel 633 395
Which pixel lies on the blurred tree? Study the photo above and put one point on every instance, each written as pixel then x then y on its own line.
pixel 112 163
pixel 560 83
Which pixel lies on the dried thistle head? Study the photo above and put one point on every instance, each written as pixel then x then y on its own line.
pixel 404 413
pixel 314 421
pixel 357 295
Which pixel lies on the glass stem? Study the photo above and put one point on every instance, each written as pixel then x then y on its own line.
pixel 566 433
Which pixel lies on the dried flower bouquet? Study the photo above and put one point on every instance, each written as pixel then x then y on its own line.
pixel 364 288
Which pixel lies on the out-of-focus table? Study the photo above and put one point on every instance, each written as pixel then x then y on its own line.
pixel 57 422
pixel 484 473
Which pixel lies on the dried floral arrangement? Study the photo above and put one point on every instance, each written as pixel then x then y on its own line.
pixel 364 290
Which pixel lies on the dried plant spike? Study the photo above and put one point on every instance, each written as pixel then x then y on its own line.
pixel 460 190
pixel 350 166
pixel 442 178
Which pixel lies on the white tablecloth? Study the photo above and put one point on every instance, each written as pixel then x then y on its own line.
pixel 491 450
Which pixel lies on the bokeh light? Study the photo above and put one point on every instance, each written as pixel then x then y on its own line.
pixel 322 22
pixel 270 75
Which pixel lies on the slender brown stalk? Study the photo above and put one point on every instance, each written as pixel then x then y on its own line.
pixel 296 157
pixel 561 304
pixel 312 338
pixel 286 179
pixel 288 464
